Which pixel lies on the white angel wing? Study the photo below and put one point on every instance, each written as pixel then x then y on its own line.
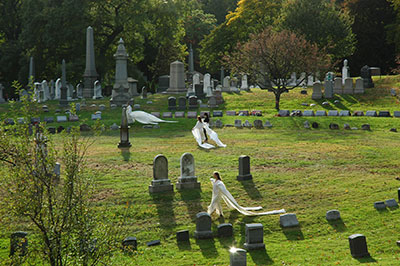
pixel 146 118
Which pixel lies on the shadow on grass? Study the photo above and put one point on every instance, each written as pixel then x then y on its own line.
pixel 233 216
pixel 260 257
pixel 338 225
pixel 243 222
pixel 293 233
pixel 184 245
pixel 192 199
pixel 207 247
pixel 366 260
pixel 393 208
pixel 349 98
pixel 126 154
pixel 251 189
pixel 227 242
pixel 165 209
pixel 339 105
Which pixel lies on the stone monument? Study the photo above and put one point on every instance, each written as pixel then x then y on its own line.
pixel 244 167
pixel 177 78
pixel 160 182
pixel 317 91
pixel 203 226
pixel 124 131
pixel 63 98
pixel 244 86
pixel 1 94
pixel 254 237
pixel 120 93
pixel 365 74
pixel 188 179
pixel 345 70
pixel 90 75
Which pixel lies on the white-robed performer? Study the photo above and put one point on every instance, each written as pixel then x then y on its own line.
pixel 220 192
pixel 143 117
pixel 199 135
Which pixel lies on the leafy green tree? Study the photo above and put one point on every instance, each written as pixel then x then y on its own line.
pixel 270 58
pixel 321 22
pixel 219 8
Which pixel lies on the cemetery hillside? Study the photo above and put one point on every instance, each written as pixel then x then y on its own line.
pixel 199 132
pixel 307 171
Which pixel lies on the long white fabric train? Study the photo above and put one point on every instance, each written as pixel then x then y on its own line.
pixel 143 117
pixel 198 134
pixel 220 192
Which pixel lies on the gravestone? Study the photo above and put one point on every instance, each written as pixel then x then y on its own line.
pixel 90 75
pixel 225 230
pixel 182 103
pixel 254 237
pixel 332 215
pixel 48 119
pixel 231 113
pixel 346 126
pixel 219 124
pixel 359 89
pixel 348 86
pixel 182 236
pixel 328 84
pixel 344 113
pixel 84 127
pixel 102 107
pixel 130 243
pixel 247 124
pixel 258 124
pixel 226 85
pixel 97 90
pixel 391 203
pixel 153 243
pixel 218 113
pixel 120 92
pixel 358 113
pixel 96 116
pixel 244 168
pixel 218 96
pixel 244 86
pixel 61 118
pixel 207 83
pixel 365 74
pixel 198 90
pixel 18 243
pixel 160 182
pixel 193 103
pixel 384 114
pixel 371 113
pixel 52 130
pixel 171 103
pixel 338 86
pixel 306 124
pixel 203 226
pixel 163 83
pixel 267 124
pixel 333 113
pixel 167 115
pixel 396 113
pixel 73 118
pixel 243 113
pixel 358 246
pixel 144 92
pixel 345 70
pixel 379 205
pixel 114 126
pixel 288 220
pixel 1 94
pixel 365 127
pixel 238 123
pixel 308 113
pixel 237 257
pixel 284 113
pixel 317 91
pixel 156 114
pixel 333 126
pixel 179 114
pixel 177 78
pixel 393 92
pixel 320 113
pixel 57 170
pixel 188 179
pixel 191 114
pixel 212 102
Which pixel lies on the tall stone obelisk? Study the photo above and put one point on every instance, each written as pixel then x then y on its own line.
pixel 191 60
pixel 31 74
pixel 120 92
pixel 90 75
pixel 64 98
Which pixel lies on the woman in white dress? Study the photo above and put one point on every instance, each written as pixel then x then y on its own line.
pixel 199 135
pixel 220 192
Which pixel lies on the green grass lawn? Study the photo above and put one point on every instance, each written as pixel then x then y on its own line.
pixel 307 172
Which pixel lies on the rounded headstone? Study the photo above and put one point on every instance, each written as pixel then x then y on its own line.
pixel 332 215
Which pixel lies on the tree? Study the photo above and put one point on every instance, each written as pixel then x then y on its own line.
pixel 58 209
pixel 271 57
pixel 372 21
pixel 320 22
pixel 219 8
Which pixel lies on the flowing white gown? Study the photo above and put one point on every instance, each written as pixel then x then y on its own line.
pixel 220 192
pixel 198 134
pixel 143 117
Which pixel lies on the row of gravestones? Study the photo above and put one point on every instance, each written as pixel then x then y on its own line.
pixel 336 87
pixel 309 113
pixel 335 126
pixel 192 103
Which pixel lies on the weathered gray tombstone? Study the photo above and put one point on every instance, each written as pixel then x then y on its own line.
pixel 254 237
pixel 338 86
pixel 237 257
pixel 238 123
pixel 231 113
pixel 391 203
pixel 268 124
pixel 320 113
pixel 18 243
pixel 328 84
pixel 163 83
pixel 332 215
pixel 384 114
pixel 348 86
pixel 358 246
pixel 171 103
pixel 212 102
pixel 203 226
pixel 179 114
pixel 177 78
pixel 130 243
pixel 365 74
pixel 192 114
pixel 61 118
pixel 225 230
pixel 344 113
pixel 346 126
pixel 333 113
pixel 379 205
pixel 288 220
pixel 160 182
pixel 371 113
pixel 181 103
pixel 317 91
pixel 284 113
pixel 258 124
pixel 308 113
pixel 218 96
pixel 244 168
pixel 219 124
pixel 90 74
pixel 120 92
pixel 57 170
pixel 48 119
pixel 188 179
pixel 247 124
pixel 144 92
pixel 167 115
pixel 359 89
pixel 218 113
pixel 193 103
pixel 366 127
pixel 182 236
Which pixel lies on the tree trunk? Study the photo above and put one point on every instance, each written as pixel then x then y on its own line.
pixel 277 99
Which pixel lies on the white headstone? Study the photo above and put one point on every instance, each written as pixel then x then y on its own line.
pixel 244 85
pixel 58 89
pixel 206 82
pixel 226 84
pixel 97 90
pixel 345 71
pixel 46 91
pixel 359 86
pixel 196 80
